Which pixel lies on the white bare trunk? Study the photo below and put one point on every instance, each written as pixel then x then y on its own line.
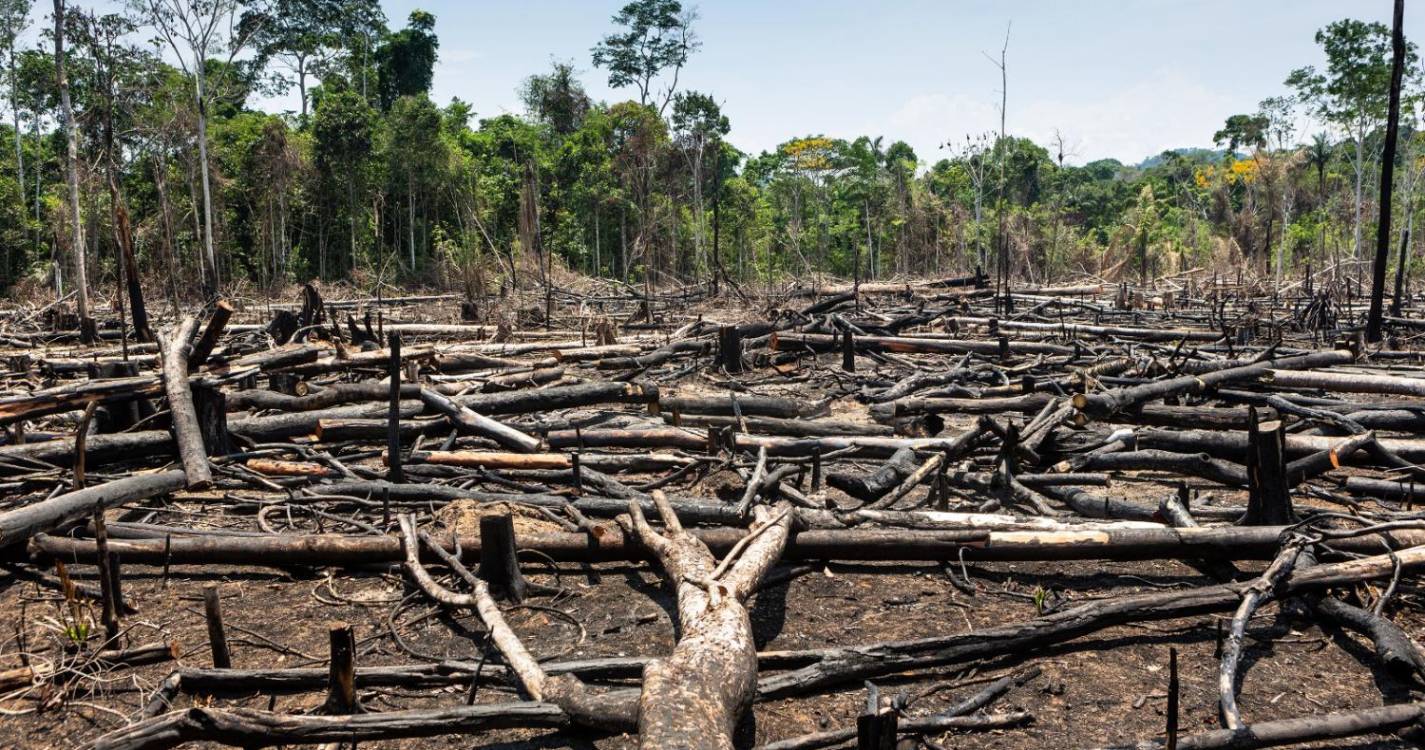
pixel 1281 245
pixel 81 279
pixel 1360 178
pixel 208 253
pixel 411 219
pixel 15 112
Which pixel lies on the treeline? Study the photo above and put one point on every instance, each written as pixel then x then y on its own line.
pixel 372 181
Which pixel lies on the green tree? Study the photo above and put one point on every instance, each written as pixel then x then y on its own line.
pixel 309 36
pixel 14 17
pixel 416 158
pixel 657 36
pixel 405 61
pixel 639 140
pixel 196 30
pixel 556 99
pixel 343 137
pixel 1353 92
pixel 698 125
pixel 1243 130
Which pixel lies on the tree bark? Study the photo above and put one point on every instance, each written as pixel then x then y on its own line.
pixel 187 433
pixel 77 245
pixel 695 697
pixel 1387 175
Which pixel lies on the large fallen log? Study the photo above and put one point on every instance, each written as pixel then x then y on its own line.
pixel 1074 330
pixel 19 525
pixel 817 342
pixel 601 461
pixel 1139 543
pixel 470 422
pixel 1105 403
pixel 1346 382
pixel 559 397
pixel 187 433
pixel 736 404
pixel 99 449
pixel 1316 728
pixel 1193 464
pixel 695 697
pixel 696 440
pixel 73 396
pixel 242 727
pixel 1027 403
pixel 1233 445
pixel 326 397
pixel 777 426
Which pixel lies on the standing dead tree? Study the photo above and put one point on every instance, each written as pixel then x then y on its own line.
pixel 1387 176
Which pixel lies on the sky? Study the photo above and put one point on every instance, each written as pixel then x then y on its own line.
pixel 1116 78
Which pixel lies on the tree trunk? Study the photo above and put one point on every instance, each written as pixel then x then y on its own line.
pixel 187 432
pixel 1387 177
pixel 695 697
pixel 214 277
pixel 81 279
pixel 1397 302
pixel 19 141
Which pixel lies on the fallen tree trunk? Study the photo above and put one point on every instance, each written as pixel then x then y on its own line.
pixel 695 697
pixel 845 665
pixel 1346 382
pixel 470 422
pixel 1394 648
pixel 601 461
pixel 817 342
pixel 559 397
pixel 1193 464
pixel 937 724
pixel 99 449
pixel 1225 543
pixel 1027 403
pixel 325 398
pixel 1315 728
pixel 19 525
pixel 734 404
pixel 1105 403
pixel 1234 445
pixel 187 433
pixel 203 348
pixel 779 426
pixel 1074 330
pixel 242 727
pixel 697 440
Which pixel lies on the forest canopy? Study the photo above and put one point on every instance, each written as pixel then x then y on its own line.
pixel 372 181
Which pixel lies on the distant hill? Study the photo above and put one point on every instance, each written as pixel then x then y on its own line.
pixel 1204 154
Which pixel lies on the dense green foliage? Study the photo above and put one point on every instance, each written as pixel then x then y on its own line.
pixel 373 181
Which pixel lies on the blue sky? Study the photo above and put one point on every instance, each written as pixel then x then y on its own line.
pixel 1119 78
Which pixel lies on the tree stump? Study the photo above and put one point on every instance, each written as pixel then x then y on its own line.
pixel 498 565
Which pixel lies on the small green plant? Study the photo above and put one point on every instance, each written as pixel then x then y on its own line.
pixel 1041 598
pixel 78 633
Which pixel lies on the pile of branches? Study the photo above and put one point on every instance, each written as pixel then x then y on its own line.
pixel 925 423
